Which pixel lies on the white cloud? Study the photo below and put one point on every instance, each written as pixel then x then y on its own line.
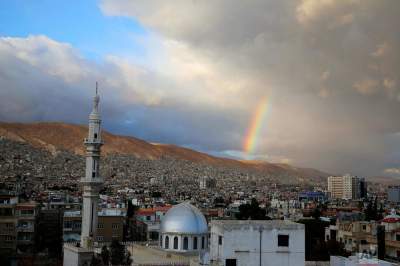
pixel 366 86
pixel 392 171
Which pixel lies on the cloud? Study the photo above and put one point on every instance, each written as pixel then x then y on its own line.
pixel 328 68
pixel 395 171
pixel 322 64
pixel 366 86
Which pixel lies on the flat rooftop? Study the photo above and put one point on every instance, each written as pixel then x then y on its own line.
pixel 256 224
pixel 155 256
pixel 103 212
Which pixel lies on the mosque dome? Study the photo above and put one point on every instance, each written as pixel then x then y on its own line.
pixel 184 218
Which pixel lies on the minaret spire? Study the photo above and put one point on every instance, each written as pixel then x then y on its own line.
pixel 92 181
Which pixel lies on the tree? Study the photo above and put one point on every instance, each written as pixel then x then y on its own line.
pixel 371 212
pixel 95 261
pixel 105 255
pixel 119 254
pixel 252 211
pixel 131 209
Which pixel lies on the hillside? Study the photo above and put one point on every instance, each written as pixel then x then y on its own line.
pixel 55 137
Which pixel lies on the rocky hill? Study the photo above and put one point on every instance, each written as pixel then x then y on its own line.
pixel 56 138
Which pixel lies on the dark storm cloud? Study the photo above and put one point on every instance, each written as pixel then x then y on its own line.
pixel 329 70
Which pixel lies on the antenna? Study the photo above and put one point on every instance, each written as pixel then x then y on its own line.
pixel 96 87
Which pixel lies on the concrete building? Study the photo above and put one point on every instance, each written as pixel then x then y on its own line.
pixel 247 243
pixel 110 225
pixel 8 224
pixel 184 229
pixel 18 222
pixel 26 214
pixel 207 182
pixel 150 219
pixel 356 236
pixel 393 194
pixel 315 196
pixel 343 187
pixel 358 260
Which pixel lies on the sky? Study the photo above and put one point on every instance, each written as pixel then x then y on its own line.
pixel 313 83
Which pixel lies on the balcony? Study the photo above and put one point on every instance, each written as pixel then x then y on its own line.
pixel 25 228
pixel 392 243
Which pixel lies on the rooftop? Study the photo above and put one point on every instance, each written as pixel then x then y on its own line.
pixel 103 212
pixel 256 224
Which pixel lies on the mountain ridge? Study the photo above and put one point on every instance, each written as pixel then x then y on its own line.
pixel 58 136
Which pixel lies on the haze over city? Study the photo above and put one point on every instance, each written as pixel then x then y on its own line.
pixel 312 83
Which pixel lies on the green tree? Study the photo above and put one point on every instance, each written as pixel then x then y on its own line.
pixel 95 261
pixel 252 211
pixel 119 254
pixel 105 255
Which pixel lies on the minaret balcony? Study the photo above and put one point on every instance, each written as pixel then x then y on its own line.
pixel 93 141
pixel 92 181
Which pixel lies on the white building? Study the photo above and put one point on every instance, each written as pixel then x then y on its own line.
pixel 266 243
pixel 207 182
pixel 184 229
pixel 358 260
pixel 343 187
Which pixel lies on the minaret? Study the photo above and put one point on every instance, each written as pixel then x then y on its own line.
pixel 92 182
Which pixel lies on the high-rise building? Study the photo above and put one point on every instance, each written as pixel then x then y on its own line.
pixel 343 187
pixel 362 188
pixel 394 194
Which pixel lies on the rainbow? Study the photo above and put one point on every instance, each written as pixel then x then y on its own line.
pixel 255 127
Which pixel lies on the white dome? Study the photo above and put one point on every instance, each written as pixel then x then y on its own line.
pixel 184 218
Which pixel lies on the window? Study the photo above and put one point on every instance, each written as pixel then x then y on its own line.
pixel 202 242
pixel 364 227
pixel 148 218
pixel 219 240
pixel 100 238
pixel 100 225
pixel 95 135
pixel 397 237
pixel 115 226
pixel 166 242
pixel 176 242
pixel 195 242
pixel 27 212
pixel 283 240
pixel 9 225
pixel 8 238
pixel 364 242
pixel 161 242
pixel 185 243
pixel 67 224
pixel 230 262
pixel 77 225
pixel 6 212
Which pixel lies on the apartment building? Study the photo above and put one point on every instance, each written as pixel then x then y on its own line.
pixel 110 225
pixel 17 225
pixel 8 222
pixel 343 187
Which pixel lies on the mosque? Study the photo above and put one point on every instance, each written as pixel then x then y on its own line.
pixel 185 238
pixel 184 229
